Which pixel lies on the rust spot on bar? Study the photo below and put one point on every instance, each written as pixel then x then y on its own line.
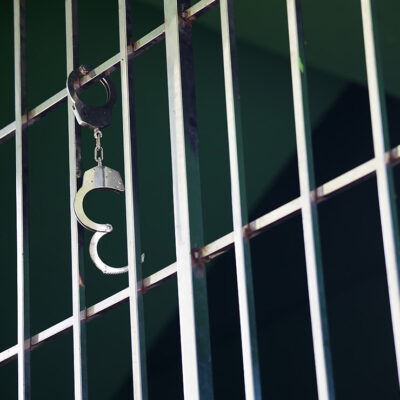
pixel 142 287
pixel 81 283
pixel 187 18
pixel 195 256
pixel 392 156
pixel 247 232
pixel 183 20
pixel 315 195
pixel 198 262
pixel 199 269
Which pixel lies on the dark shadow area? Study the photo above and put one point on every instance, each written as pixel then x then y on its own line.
pixel 355 280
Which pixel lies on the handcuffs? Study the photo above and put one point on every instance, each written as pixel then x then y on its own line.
pixel 99 177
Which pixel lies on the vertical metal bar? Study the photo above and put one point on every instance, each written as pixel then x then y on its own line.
pixel 386 192
pixel 239 205
pixel 132 206
pixel 75 180
pixel 315 281
pixel 191 276
pixel 22 202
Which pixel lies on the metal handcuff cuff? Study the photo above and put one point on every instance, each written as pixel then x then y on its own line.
pixel 98 177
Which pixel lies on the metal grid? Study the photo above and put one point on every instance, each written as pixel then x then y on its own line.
pixel 191 252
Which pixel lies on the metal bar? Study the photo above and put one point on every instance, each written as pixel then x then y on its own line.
pixel 198 9
pixel 386 191
pixel 149 40
pixel 35 114
pixel 140 46
pixel 315 281
pixel 75 180
pixel 191 276
pixel 22 204
pixel 239 205
pixel 216 248
pixel 225 243
pixel 92 312
pixel 9 354
pixel 132 205
pixel 7 132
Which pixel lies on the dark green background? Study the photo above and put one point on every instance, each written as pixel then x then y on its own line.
pixel 362 342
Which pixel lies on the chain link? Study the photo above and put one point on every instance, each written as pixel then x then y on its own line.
pixel 98 150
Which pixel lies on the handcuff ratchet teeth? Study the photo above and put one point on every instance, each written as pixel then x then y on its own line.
pixel 99 177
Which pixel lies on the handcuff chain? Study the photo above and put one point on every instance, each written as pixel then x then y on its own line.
pixel 98 150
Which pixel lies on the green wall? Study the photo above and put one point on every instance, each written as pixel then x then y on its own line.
pixel 357 296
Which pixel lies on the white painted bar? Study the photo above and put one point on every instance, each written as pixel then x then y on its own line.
pixel 239 212
pixel 386 195
pixel 132 227
pixel 23 335
pixel 315 283
pixel 80 387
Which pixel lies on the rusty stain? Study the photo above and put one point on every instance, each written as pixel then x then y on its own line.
pixel 185 19
pixel 195 256
pixel 199 259
pixel 248 232
pixel 392 157
pixel 142 288
pixel 197 262
pixel 81 283
pixel 314 195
